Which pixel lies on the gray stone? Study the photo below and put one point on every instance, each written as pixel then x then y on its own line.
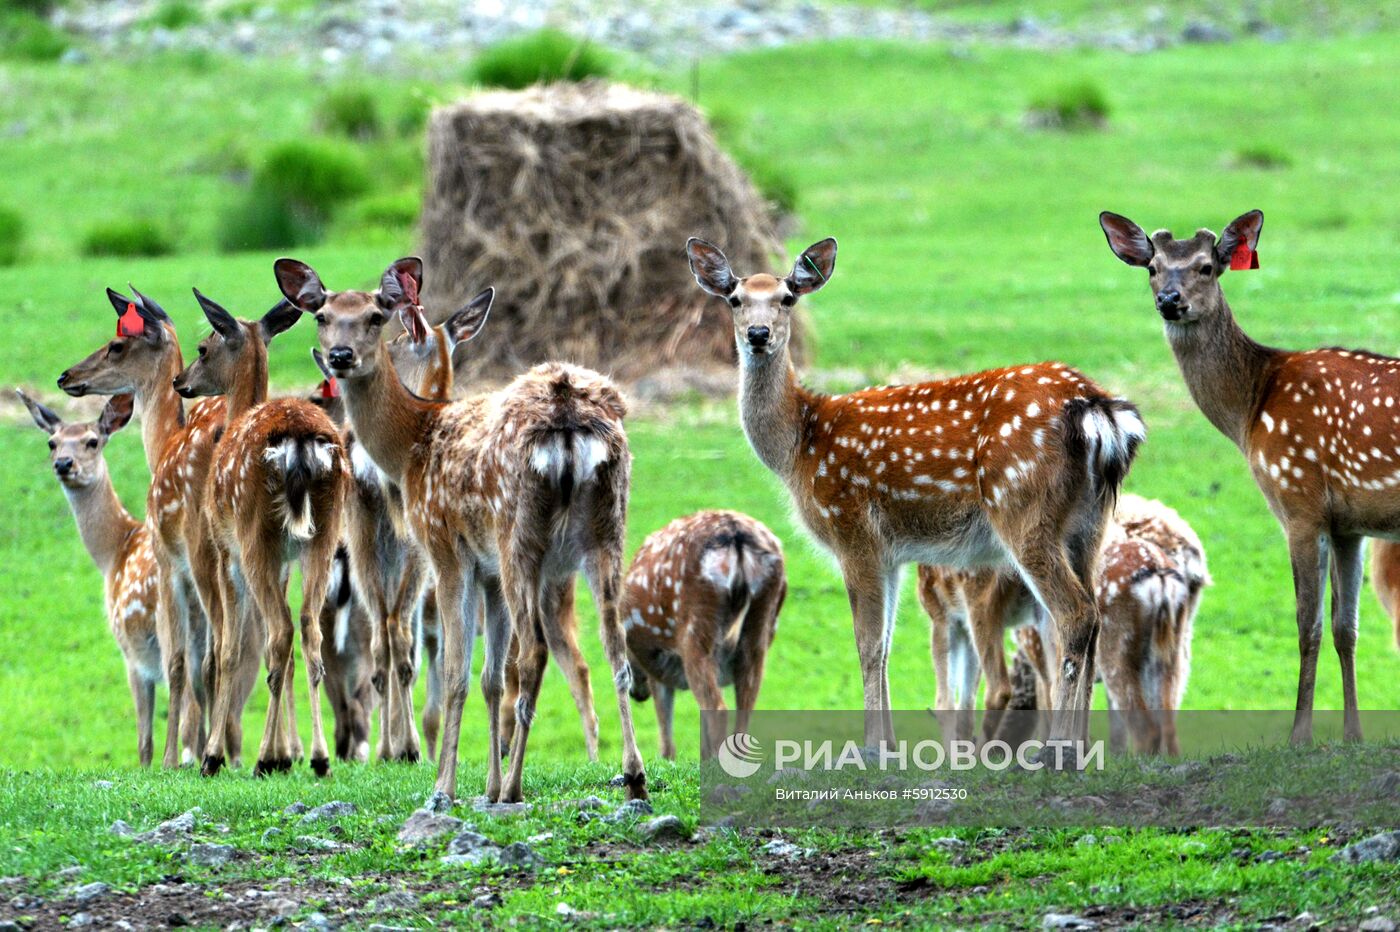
pixel 949 844
pixel 393 902
pixel 1304 920
pixel 521 856
pixel 1204 32
pixel 425 825
pixel 295 809
pixel 171 831
pixel 1377 924
pixel 590 803
pixel 210 855
pixel 779 848
pixel 312 843
pixel 90 891
pixel 121 828
pixel 80 920
pixel 1066 921
pixel 664 828
pixel 467 841
pixel 103 784
pixel 632 809
pixel 68 873
pixel 1387 784
pixel 8 926
pixel 487 900
pixel 482 855
pixel 1382 847
pixel 1278 808
pixel 281 906
pixel 319 922
pixel 487 807
pixel 25 901
pixel 329 812
pixel 270 834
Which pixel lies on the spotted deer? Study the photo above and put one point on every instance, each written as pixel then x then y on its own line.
pixel 700 605
pixel 1385 576
pixel 276 488
pixel 1011 467
pixel 508 494
pixel 143 359
pixel 1319 430
pixel 120 546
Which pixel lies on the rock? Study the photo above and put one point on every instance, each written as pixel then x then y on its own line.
pixel 103 784
pixel 210 855
pixel 172 831
pixel 280 906
pixel 393 902
pixel 1377 924
pixel 425 825
pixel 779 848
pixel 121 828
pixel 90 891
pixel 1278 808
pixel 1066 921
pixel 381 927
pixel 947 844
pixel 482 855
pixel 68 873
pixel 319 922
pixel 520 856
pixel 632 809
pixel 329 812
pixel 438 802
pixel 1185 769
pixel 295 809
pixel 1304 920
pixel 664 828
pixel 1193 847
pixel 270 834
pixel 565 911
pixel 25 901
pixel 8 926
pixel 80 920
pixel 1382 847
pixel 788 775
pixel 590 803
pixel 487 900
pixel 1204 32
pixel 121 925
pixel 467 841
pixel 1387 784
pixel 541 838
pixel 312 843
pixel 483 805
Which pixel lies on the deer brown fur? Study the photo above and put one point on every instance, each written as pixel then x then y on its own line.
pixel 1385 577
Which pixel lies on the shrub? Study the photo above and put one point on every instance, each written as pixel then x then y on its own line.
pixel 546 55
pixel 175 15
pixel 1077 105
pixel 396 210
pixel 127 237
pixel 24 35
pixel 773 181
pixel 1262 156
pixel 37 7
pixel 295 192
pixel 413 116
pixel 11 236
pixel 349 111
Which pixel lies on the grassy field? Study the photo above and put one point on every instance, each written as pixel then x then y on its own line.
pixel 968 241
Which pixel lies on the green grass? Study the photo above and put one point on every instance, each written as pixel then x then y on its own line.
pixel 540 57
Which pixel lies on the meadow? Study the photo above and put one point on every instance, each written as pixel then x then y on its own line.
pixel 968 240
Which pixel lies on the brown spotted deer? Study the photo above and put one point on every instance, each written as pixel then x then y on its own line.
pixel 143 359
pixel 1015 466
pixel 1319 430
pixel 276 488
pixel 700 605
pixel 509 495
pixel 1385 577
pixel 120 546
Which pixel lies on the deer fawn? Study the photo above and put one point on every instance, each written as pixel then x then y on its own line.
pixel 120 546
pixel 276 488
pixel 143 359
pixel 1319 430
pixel 1014 466
pixel 1385 576
pixel 700 605
pixel 508 494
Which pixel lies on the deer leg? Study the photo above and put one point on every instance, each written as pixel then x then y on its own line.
pixel 700 673
pixel 316 565
pixel 603 570
pixel 868 590
pixel 509 697
pixel 493 679
pixel 263 573
pixel 430 628
pixel 143 695
pixel 562 638
pixel 1308 554
pixel 940 652
pixel 173 659
pixel 531 662
pixel 759 625
pixel 236 627
pixel 1348 559
pixel 665 716
pixel 456 583
pixel 291 726
pixel 402 653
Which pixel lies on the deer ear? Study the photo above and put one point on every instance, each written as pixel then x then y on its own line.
pixel 1126 239
pixel 814 267
pixel 401 284
pixel 300 284
pixel 321 362
pixel 115 414
pixel 152 315
pixel 467 322
pixel 414 323
pixel 277 320
pixel 1243 231
pixel 710 267
pixel 44 418
pixel 221 320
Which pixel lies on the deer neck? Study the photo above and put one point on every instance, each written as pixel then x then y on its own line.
pixel 249 388
pixel 772 409
pixel 1225 371
pixel 386 417
pixel 103 523
pixel 158 407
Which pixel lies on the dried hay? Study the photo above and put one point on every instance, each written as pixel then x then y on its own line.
pixel 575 202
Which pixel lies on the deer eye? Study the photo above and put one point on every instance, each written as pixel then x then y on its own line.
pixel 92 443
pixel 319 318
pixel 789 299
pixel 1206 269
pixel 376 319
pixel 1153 270
pixel 115 349
pixel 53 444
pixel 202 350
pixel 734 301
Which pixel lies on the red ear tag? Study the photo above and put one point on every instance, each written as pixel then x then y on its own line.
pixel 1244 258
pixel 330 388
pixel 130 324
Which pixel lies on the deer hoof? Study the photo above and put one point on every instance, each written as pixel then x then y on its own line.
pixel 635 785
pixel 409 756
pixel 271 765
pixel 213 763
pixel 320 766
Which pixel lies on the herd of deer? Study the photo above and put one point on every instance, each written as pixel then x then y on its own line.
pixel 418 520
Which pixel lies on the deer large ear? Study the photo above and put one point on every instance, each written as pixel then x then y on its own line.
pixel 44 418
pixel 401 283
pixel 115 414
pixel 280 318
pixel 1126 239
pixel 221 320
pixel 300 284
pixel 138 315
pixel 1244 232
pixel 467 322
pixel 710 267
pixel 814 267
pixel 321 362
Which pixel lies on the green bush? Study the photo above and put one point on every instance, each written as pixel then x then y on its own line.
pixel 127 237
pixel 295 192
pixel 396 210
pixel 11 236
pixel 175 14
pixel 1262 156
pixel 773 181
pixel 1077 105
pixel 37 7
pixel 349 111
pixel 543 56
pixel 413 115
pixel 26 36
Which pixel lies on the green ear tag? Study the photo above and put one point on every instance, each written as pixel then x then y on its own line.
pixel 814 268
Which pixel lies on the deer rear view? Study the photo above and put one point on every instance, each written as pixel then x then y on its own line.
pixel 1016 466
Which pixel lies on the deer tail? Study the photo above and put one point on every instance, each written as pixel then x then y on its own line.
pixel 1106 433
pixel 298 462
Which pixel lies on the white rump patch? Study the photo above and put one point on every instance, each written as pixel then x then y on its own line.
pixel 550 457
pixel 720 566
pixel 589 453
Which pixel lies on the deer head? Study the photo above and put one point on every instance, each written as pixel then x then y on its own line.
pixel 761 304
pixel 75 450
pixel 415 351
pixel 1185 273
pixel 221 356
pixel 144 335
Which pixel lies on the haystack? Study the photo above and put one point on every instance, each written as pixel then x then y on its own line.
pixel 575 202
